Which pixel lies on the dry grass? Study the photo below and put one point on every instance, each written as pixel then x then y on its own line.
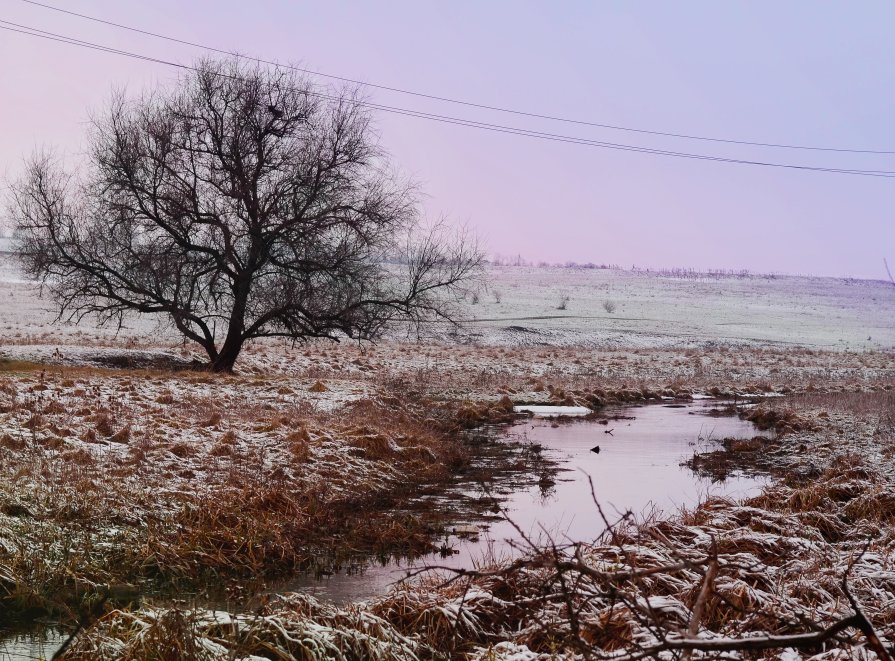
pixel 154 478
pixel 287 628
pixel 106 481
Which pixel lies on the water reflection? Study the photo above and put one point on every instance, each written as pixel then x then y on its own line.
pixel 38 644
pixel 638 468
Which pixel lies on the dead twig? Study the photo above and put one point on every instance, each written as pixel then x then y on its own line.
pixel 708 584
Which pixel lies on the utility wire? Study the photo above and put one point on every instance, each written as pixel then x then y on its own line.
pixel 36 32
pixel 445 99
pixel 498 128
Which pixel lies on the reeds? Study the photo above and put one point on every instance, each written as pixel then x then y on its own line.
pixel 97 487
pixel 287 629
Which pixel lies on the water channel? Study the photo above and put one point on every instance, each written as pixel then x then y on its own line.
pixel 637 468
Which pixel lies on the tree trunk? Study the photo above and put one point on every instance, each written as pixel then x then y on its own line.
pixel 226 359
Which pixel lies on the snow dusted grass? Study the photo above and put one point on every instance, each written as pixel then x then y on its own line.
pixel 659 310
pixel 649 311
pixel 781 559
pixel 151 479
pixel 290 627
pixel 119 475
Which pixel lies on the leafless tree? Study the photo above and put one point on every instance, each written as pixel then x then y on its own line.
pixel 243 203
pixel 564 299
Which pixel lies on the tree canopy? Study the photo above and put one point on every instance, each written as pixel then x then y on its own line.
pixel 244 202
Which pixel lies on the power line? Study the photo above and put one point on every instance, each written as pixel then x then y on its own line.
pixel 445 99
pixel 498 128
pixel 37 32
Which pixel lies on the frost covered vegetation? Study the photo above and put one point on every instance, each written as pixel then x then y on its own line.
pixel 111 477
pixel 804 570
pixel 118 483
pixel 127 478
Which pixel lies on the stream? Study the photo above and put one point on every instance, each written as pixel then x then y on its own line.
pixel 638 469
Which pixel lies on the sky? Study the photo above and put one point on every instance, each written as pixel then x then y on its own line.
pixel 810 73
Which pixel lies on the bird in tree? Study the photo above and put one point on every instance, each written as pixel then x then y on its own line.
pixel 241 203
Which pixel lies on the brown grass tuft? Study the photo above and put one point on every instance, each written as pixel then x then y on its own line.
pixel 123 435
pixel 12 443
pixel 182 450
pixel 104 424
pixel 299 445
pixel 213 420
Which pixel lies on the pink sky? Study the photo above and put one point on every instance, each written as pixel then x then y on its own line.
pixel 799 72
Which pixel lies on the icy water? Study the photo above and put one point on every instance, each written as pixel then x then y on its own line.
pixel 38 644
pixel 638 468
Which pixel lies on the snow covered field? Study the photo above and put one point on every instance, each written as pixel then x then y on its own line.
pixel 656 311
pixel 519 308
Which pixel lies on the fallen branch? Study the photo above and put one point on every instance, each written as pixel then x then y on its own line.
pixel 708 584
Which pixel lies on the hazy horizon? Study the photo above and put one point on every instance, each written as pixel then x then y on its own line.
pixel 801 73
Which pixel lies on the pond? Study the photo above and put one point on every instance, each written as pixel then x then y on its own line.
pixel 638 468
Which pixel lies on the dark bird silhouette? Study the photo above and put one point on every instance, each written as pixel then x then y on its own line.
pixel 276 112
pixel 595 449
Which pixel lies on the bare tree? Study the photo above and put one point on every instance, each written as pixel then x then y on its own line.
pixel 564 299
pixel 244 203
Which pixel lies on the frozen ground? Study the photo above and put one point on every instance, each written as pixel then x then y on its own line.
pixel 27 317
pixel 519 308
pixel 658 311
pixel 127 460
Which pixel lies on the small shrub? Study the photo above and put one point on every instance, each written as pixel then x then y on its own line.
pixel 564 299
pixel 609 306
